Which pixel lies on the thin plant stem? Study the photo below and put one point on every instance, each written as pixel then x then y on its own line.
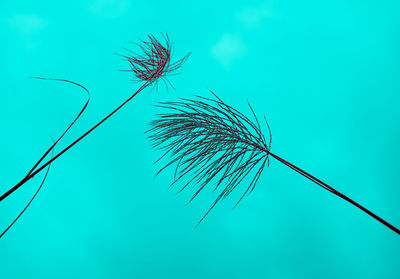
pixel 32 174
pixel 327 187
pixel 30 201
pixel 333 191
pixel 70 125
pixel 51 149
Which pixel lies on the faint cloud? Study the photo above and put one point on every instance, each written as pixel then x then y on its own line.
pixel 27 26
pixel 228 49
pixel 252 17
pixel 109 8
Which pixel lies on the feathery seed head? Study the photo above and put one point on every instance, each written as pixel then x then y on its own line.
pixel 155 61
pixel 211 142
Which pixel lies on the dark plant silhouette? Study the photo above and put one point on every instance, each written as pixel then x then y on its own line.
pixel 30 201
pixel 155 63
pixel 152 65
pixel 50 150
pixel 213 143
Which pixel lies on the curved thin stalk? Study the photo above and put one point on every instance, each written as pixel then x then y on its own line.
pixel 32 174
pixel 29 203
pixel 70 125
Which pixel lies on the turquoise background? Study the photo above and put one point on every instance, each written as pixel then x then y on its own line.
pixel 326 75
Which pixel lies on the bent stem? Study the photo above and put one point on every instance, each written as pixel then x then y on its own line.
pixel 30 201
pixel 333 191
pixel 51 149
pixel 32 174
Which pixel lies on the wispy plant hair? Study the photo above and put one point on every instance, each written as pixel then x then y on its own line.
pixel 154 62
pixel 211 142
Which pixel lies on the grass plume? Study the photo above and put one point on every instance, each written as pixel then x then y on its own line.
pixel 216 145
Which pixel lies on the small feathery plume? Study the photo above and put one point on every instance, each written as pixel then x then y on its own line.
pixel 150 67
pixel 154 63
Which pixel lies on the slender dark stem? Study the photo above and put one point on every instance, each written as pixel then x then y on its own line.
pixel 31 175
pixel 332 190
pixel 29 203
pixel 70 125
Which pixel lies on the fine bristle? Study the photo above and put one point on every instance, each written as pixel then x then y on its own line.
pixel 154 62
pixel 212 143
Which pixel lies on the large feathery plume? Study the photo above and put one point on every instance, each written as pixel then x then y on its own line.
pixel 211 143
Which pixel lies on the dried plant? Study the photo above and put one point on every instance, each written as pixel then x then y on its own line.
pixel 212 143
pixel 30 201
pixel 51 149
pixel 152 65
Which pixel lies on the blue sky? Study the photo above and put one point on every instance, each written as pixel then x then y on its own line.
pixel 325 74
